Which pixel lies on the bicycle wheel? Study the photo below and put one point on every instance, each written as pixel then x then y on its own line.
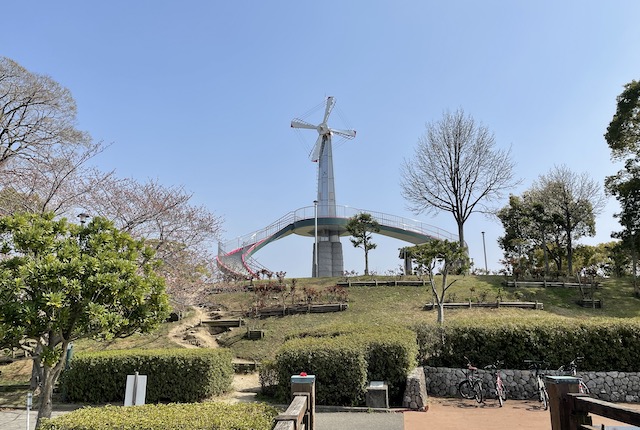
pixel 465 389
pixel 477 391
pixel 500 393
pixel 544 398
pixel 583 387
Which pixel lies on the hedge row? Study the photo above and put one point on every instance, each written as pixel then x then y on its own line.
pixel 173 375
pixel 192 416
pixel 344 358
pixel 605 344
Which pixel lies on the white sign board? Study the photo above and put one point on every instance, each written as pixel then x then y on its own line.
pixel 136 390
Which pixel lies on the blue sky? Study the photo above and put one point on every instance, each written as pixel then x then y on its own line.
pixel 201 94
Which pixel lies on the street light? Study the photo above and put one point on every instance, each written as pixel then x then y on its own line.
pixel 315 234
pixel 484 247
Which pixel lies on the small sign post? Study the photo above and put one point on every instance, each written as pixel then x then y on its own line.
pixel 136 390
pixel 29 404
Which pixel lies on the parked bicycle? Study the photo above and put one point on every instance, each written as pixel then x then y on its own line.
pixel 471 386
pixel 501 391
pixel 572 369
pixel 537 367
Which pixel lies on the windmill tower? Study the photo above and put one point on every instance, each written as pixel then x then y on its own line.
pixel 328 247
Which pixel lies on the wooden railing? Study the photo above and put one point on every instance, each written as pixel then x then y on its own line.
pixel 580 406
pixel 294 417
pixel 570 409
pixel 300 414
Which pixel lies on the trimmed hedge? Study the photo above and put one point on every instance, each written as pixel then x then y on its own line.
pixel 345 357
pixel 605 344
pixel 173 375
pixel 192 416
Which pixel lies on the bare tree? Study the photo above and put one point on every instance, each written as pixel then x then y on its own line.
pixel 55 181
pixel 181 233
pixel 573 200
pixel 456 168
pixel 36 113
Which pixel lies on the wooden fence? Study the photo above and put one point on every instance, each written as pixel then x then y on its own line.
pixel 300 414
pixel 570 409
pixel 375 283
pixel 498 304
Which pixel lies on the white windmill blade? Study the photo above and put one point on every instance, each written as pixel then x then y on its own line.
pixel 330 103
pixel 348 134
pixel 298 123
pixel 315 152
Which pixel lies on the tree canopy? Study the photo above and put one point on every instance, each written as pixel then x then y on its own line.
pixel 623 138
pixel 623 132
pixel 36 113
pixel 440 256
pixel 557 210
pixel 60 282
pixel 360 227
pixel 456 168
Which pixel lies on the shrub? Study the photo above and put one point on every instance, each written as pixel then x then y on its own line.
pixel 194 416
pixel 174 375
pixel 605 344
pixel 349 355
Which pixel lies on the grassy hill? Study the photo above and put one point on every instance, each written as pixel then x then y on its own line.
pixel 404 305
pixel 382 305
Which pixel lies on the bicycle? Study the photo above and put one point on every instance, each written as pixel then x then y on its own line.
pixel 543 396
pixel 501 391
pixel 572 369
pixel 471 387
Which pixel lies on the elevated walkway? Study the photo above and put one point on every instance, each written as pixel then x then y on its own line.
pixel 235 256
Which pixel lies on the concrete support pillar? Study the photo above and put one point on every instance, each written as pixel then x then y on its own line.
pixel 330 257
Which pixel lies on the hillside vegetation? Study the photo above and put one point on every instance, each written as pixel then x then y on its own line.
pixel 380 306
pixel 405 306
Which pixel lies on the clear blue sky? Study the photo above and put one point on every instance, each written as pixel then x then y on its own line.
pixel 201 94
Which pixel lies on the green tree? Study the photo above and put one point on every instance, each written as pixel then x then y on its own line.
pixel 625 187
pixel 623 132
pixel 440 256
pixel 60 282
pixel 623 138
pixel 573 201
pixel 456 168
pixel 360 227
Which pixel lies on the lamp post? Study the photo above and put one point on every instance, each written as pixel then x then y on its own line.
pixel 315 235
pixel 484 248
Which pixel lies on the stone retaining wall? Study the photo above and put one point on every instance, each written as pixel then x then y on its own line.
pixel 521 384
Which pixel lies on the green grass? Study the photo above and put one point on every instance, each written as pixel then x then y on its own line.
pixel 404 306
pixel 383 305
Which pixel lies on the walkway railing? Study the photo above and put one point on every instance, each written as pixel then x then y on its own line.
pixel 308 212
pixel 300 413
pixel 570 410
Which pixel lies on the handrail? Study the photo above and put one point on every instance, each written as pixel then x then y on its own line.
pixel 293 417
pixel 580 406
pixel 308 212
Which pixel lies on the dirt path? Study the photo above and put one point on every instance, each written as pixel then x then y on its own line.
pixel 190 334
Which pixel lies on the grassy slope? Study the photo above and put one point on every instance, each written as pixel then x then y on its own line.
pixel 382 305
pixel 403 305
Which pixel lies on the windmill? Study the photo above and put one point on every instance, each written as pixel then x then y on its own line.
pixel 328 247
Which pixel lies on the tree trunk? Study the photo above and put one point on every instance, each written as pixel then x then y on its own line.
pixel 461 236
pixel 366 262
pixel 49 378
pixel 440 312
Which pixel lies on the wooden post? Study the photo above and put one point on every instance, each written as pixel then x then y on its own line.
pixel 304 383
pixel 559 405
